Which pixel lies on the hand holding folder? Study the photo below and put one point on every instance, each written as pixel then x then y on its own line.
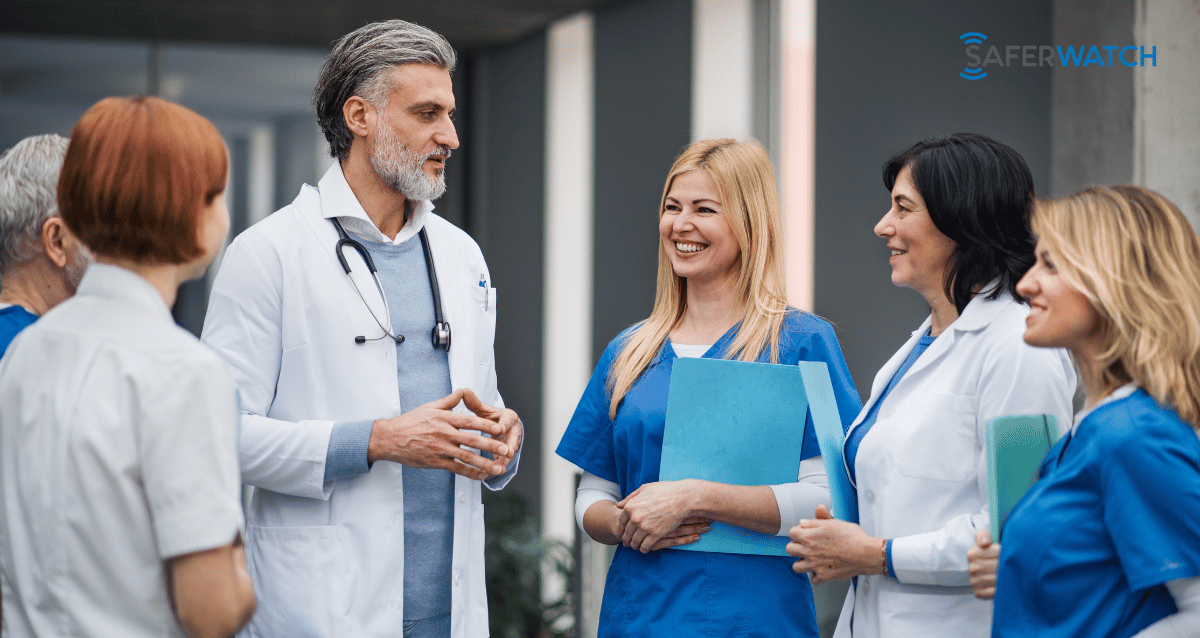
pixel 740 423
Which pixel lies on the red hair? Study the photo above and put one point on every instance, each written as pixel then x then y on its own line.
pixel 138 172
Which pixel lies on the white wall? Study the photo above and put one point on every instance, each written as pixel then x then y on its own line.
pixel 722 69
pixel 567 338
pixel 798 145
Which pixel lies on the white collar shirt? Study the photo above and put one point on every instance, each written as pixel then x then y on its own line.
pixel 338 201
pixel 118 451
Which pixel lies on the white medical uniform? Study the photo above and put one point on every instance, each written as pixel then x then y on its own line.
pixel 922 472
pixel 327 559
pixel 118 450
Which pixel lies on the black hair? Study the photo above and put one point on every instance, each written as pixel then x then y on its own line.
pixel 979 193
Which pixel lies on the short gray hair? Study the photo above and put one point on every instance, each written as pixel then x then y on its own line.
pixel 28 194
pixel 359 65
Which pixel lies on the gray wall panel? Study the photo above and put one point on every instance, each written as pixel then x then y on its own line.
pixel 506 203
pixel 887 76
pixel 643 117
pixel 1092 127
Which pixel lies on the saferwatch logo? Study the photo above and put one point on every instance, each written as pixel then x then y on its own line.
pixel 1034 55
pixel 973 40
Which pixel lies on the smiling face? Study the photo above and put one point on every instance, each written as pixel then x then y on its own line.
pixel 414 132
pixel 695 234
pixel 920 252
pixel 1060 316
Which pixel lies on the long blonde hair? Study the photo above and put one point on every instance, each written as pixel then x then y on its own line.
pixel 1136 258
pixel 745 183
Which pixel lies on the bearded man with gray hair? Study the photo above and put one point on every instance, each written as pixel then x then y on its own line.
pixel 41 262
pixel 366 434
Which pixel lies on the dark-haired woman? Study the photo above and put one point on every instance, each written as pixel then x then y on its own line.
pixel 958 232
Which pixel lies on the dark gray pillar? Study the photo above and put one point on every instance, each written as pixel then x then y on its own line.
pixel 506 204
pixel 643 120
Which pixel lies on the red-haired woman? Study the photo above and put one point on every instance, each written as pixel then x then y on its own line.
pixel 118 452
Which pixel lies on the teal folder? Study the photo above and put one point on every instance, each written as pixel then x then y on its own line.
pixel 738 423
pixel 1016 446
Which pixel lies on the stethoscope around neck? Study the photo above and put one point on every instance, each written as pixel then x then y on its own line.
pixel 440 335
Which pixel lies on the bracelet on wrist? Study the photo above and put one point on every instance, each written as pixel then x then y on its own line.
pixel 883 552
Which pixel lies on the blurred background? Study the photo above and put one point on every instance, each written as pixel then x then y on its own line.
pixel 570 114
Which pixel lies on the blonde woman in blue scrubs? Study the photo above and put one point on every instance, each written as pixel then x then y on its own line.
pixel 720 295
pixel 1107 543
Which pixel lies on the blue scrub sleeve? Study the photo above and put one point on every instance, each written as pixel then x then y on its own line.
pixel 588 441
pixel 1151 492
pixel 823 346
pixel 810 338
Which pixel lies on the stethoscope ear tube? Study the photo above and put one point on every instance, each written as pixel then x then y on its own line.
pixel 440 335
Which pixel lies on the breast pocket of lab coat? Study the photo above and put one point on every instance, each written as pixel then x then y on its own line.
pixel 485 309
pixel 303 578
pixel 941 441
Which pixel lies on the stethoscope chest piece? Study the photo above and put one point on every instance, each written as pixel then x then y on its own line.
pixel 441 336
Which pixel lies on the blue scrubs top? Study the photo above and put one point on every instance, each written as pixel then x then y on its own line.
pixel 686 593
pixel 1115 515
pixel 13 320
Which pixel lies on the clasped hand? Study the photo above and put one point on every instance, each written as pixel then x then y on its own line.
pixel 433 436
pixel 830 549
pixel 983 560
pixel 659 515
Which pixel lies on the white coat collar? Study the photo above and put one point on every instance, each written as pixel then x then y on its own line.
pixel 978 314
pixel 980 311
pixel 114 282
pixel 338 200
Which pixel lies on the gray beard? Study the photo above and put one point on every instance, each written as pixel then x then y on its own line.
pixel 77 266
pixel 400 168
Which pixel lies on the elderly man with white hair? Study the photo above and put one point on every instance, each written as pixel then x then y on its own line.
pixel 41 262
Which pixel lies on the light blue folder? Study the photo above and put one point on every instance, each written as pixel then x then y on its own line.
pixel 1016 446
pixel 739 423
pixel 830 436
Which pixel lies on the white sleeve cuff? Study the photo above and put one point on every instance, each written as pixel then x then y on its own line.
pixel 592 490
pixel 800 499
pixel 285 457
pixel 1183 623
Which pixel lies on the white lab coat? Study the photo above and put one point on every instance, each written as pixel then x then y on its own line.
pixel 922 471
pixel 328 559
